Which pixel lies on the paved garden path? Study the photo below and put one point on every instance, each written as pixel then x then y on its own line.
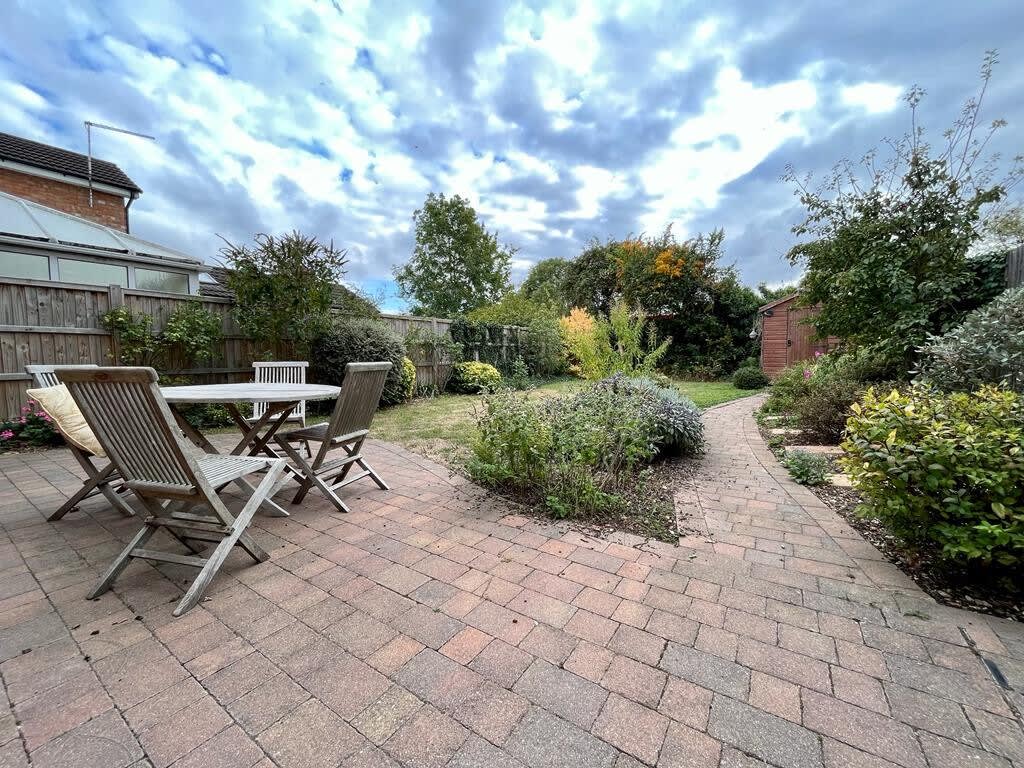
pixel 432 626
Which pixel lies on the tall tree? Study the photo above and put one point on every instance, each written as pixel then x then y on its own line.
pixel 543 284
pixel 888 256
pixel 591 280
pixel 456 265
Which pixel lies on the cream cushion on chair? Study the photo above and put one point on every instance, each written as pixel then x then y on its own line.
pixel 62 408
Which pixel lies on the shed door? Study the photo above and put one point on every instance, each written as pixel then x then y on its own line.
pixel 800 343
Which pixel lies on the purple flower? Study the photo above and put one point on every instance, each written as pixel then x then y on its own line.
pixel 807 373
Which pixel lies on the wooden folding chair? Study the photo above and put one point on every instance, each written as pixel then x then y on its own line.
pixel 281 372
pixel 350 423
pixel 284 372
pixel 105 480
pixel 132 421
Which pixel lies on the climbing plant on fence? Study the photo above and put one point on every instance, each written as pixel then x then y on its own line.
pixel 502 345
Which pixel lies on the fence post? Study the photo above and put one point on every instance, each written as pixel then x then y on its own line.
pixel 115 298
pixel 434 367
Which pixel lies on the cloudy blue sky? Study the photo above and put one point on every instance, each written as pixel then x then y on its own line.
pixel 560 121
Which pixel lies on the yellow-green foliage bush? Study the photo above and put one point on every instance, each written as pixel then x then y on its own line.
pixel 408 378
pixel 623 343
pixel 472 378
pixel 943 468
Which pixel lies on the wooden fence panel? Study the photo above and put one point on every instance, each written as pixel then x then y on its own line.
pixel 49 323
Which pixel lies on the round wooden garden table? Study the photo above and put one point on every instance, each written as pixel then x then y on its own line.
pixel 256 434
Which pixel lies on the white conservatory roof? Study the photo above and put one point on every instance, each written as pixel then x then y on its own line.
pixel 28 223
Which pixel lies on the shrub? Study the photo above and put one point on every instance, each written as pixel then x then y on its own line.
pixel 622 343
pixel 514 441
pixel 611 429
pixel 202 415
pixel 134 335
pixel 359 340
pixel 986 348
pixel 805 467
pixel 576 453
pixel 789 386
pixel 32 428
pixel 680 428
pixel 825 406
pixel 519 375
pixel 408 379
pixel 749 378
pixel 474 378
pixel 542 351
pixel 943 468
pixel 284 287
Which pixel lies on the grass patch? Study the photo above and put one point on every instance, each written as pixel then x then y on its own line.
pixel 708 393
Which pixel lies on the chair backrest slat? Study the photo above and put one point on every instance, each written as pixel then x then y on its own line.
pixel 360 395
pixel 283 372
pixel 46 375
pixel 125 409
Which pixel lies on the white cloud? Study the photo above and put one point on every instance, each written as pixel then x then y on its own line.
pixel 558 120
pixel 873 98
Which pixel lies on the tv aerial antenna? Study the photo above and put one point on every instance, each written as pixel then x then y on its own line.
pixel 89 125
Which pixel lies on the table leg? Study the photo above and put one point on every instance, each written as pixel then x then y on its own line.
pixel 191 432
pixel 251 432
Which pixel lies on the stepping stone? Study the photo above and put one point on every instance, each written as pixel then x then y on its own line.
pixel 785 431
pixel 825 450
pixel 840 481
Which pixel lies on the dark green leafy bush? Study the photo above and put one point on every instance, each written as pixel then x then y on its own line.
pixel 944 469
pixel 805 467
pixel 202 415
pixel 473 378
pixel 518 376
pixel 359 340
pixel 749 378
pixel 788 387
pixel 986 348
pixel 825 407
pixel 514 441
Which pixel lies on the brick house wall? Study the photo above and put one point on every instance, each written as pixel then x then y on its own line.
pixel 107 209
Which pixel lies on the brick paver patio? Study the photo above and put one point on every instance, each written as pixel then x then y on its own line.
pixel 434 627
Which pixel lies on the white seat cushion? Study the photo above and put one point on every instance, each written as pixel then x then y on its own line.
pixel 62 408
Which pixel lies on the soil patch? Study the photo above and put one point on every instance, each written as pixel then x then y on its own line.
pixel 647 508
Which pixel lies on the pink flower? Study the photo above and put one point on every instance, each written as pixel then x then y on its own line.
pixel 807 373
pixel 6 434
pixel 818 353
pixel 22 419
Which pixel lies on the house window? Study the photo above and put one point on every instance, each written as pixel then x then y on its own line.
pixel 24 266
pixel 158 280
pixel 92 272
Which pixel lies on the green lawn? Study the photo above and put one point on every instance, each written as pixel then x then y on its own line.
pixel 442 427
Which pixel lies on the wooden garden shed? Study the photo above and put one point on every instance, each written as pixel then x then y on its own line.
pixel 785 338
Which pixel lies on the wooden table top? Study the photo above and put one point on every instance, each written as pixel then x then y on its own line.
pixel 249 392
